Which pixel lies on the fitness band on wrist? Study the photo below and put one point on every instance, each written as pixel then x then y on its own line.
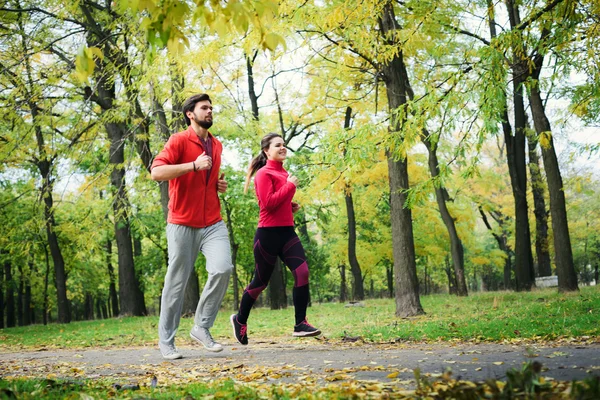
pixel 194 165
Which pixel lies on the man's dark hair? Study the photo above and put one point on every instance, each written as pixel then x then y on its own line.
pixel 190 104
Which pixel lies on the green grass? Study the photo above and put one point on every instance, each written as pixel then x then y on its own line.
pixel 492 316
pixel 99 389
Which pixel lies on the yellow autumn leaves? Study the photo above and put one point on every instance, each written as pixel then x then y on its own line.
pixel 164 23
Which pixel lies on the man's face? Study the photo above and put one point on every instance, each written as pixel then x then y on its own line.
pixel 202 114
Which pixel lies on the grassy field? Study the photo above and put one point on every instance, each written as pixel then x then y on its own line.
pixel 540 315
pixel 495 316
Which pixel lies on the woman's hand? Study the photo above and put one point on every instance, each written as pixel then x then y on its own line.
pixel 295 206
pixel 293 179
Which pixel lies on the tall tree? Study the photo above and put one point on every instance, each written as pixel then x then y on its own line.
pixel 395 79
pixel 30 81
pixel 514 137
pixel 442 197
pixel 9 300
pixel 502 239
pixel 104 94
pixel 1 298
pixel 515 153
pixel 347 33
pixel 358 291
pixel 567 278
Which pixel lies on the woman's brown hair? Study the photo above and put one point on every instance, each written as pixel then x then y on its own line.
pixel 261 159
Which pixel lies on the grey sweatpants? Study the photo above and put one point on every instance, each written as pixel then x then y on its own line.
pixel 184 244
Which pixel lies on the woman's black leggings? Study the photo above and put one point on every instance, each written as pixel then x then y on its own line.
pixel 270 243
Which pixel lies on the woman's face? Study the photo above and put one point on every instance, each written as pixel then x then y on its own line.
pixel 276 150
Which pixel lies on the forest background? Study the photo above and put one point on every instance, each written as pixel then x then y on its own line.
pixel 446 146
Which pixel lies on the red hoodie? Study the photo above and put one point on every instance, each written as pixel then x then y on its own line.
pixel 275 195
pixel 193 197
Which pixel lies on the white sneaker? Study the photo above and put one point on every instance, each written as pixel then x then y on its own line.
pixel 203 336
pixel 169 352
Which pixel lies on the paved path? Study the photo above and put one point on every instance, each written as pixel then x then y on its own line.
pixel 307 360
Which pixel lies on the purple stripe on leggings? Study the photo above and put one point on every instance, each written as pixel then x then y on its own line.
pixel 289 244
pixel 268 257
pixel 301 275
pixel 254 293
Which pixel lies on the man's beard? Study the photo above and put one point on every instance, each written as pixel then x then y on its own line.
pixel 204 124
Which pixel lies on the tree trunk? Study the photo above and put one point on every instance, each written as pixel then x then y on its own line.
pixel 441 195
pixel 96 305
pixel 389 269
pixel 542 251
pixel 44 162
pixel 28 311
pixel 2 286
pixel 165 133
pixel 451 277
pixel 60 276
pixel 516 146
pixel 234 250
pixel 9 301
pixel 525 275
pixel 502 244
pixel 277 295
pixel 130 295
pixel 515 156
pixel 88 307
pixel 301 226
pixel 20 292
pixel 104 94
pixel 567 278
pixel 343 293
pixel 177 93
pixel 456 247
pixel 112 289
pixel 424 287
pixel 358 292
pixel 408 302
pixel 251 91
pixel 103 309
pixel 565 268
pixel 46 280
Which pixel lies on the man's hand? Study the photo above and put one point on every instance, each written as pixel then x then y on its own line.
pixel 221 184
pixel 203 162
pixel 295 206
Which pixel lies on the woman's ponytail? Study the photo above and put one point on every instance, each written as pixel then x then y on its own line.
pixel 257 163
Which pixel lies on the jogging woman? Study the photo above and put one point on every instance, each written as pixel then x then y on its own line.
pixel 275 237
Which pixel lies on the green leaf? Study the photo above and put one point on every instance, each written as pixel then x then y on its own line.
pixel 272 40
pixel 84 64
pixel 241 22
